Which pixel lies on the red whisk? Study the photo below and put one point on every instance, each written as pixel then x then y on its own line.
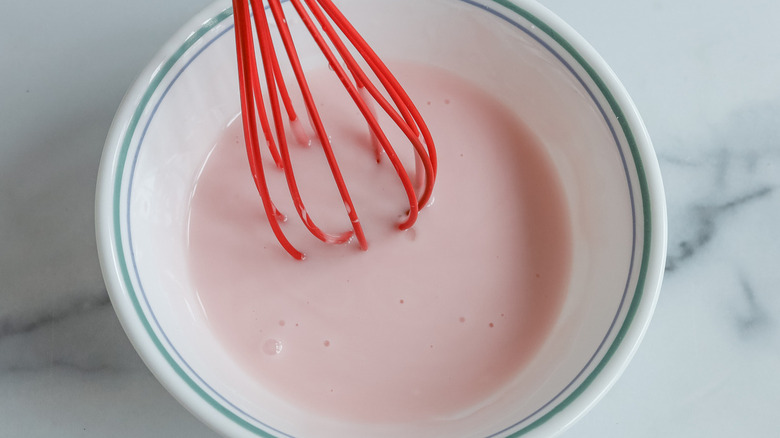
pixel 325 27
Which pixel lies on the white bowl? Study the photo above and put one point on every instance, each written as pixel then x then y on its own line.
pixel 517 51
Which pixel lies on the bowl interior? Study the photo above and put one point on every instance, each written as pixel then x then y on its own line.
pixel 524 57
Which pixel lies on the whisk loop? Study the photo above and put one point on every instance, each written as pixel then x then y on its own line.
pixel 325 23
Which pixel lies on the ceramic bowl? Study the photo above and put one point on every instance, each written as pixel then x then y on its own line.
pixel 515 50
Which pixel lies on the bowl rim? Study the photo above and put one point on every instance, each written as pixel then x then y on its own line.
pixel 221 419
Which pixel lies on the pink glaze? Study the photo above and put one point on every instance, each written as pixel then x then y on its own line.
pixel 428 323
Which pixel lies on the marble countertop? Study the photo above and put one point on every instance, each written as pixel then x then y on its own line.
pixel 704 74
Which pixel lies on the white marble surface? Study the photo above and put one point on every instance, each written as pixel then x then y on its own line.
pixel 705 75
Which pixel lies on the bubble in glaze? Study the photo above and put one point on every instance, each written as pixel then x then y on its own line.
pixel 272 347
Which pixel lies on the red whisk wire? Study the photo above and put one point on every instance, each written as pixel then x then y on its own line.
pixel 260 106
pixel 367 114
pixel 245 60
pixel 314 115
pixel 265 34
pixel 385 76
pixel 404 115
pixel 406 121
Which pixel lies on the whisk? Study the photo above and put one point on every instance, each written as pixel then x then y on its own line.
pixel 329 28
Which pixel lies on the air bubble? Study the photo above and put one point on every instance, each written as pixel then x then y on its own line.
pixel 272 347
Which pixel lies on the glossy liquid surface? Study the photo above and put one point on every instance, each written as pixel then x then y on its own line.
pixel 428 323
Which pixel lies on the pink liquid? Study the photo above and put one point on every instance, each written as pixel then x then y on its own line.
pixel 427 323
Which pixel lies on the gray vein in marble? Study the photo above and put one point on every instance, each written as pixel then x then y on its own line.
pixel 706 216
pixel 81 335
pixel 10 327
pixel 756 318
